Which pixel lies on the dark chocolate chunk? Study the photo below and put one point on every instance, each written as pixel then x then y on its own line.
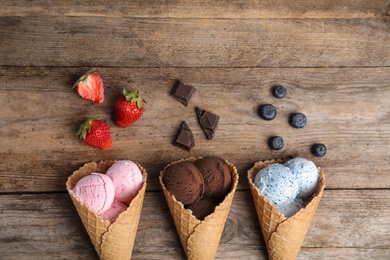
pixel 318 150
pixel 276 142
pixel 184 138
pixel 267 112
pixel 182 92
pixel 279 91
pixel 208 121
pixel 297 120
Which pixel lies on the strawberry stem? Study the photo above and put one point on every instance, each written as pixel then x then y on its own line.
pixel 86 127
pixel 83 77
pixel 133 96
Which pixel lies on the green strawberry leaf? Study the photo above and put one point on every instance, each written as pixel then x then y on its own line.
pixel 83 77
pixel 86 127
pixel 134 97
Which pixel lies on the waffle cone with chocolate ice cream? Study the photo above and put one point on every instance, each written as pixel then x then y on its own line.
pixel 216 175
pixel 184 181
pixel 283 236
pixel 111 241
pixel 199 238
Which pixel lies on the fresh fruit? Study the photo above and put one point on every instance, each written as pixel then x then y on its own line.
pixel 128 108
pixel 90 87
pixel 318 150
pixel 276 142
pixel 96 133
pixel 297 120
pixel 267 112
pixel 279 91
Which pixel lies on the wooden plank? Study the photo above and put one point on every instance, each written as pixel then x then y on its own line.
pixel 347 109
pixel 46 226
pixel 201 9
pixel 138 42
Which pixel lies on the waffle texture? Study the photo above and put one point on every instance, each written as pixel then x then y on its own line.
pixel 200 239
pixel 111 241
pixel 283 236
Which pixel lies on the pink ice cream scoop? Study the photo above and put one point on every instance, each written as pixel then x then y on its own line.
pixel 96 190
pixel 112 213
pixel 127 179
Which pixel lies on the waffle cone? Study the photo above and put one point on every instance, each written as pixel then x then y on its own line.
pixel 200 239
pixel 111 241
pixel 283 236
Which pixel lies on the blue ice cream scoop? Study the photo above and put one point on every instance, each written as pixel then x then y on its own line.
pixel 290 209
pixel 277 183
pixel 306 173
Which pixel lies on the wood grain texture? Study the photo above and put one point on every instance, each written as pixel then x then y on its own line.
pixel 347 109
pixel 139 42
pixel 333 56
pixel 200 9
pixel 353 223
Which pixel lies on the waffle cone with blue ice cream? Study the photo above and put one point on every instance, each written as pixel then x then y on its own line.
pixel 283 235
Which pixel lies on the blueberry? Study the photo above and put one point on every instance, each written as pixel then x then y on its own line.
pixel 318 150
pixel 279 91
pixel 276 142
pixel 267 112
pixel 297 120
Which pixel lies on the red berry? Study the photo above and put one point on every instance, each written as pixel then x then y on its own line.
pixel 128 108
pixel 90 87
pixel 96 133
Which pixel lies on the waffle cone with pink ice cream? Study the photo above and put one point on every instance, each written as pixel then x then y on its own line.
pixel 108 197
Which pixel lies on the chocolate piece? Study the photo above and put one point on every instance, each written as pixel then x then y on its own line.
pixel 184 138
pixel 182 92
pixel 208 121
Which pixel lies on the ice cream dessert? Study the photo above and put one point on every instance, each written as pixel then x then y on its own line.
pixel 109 194
pixel 277 183
pixel 290 209
pixel 306 174
pixel 216 175
pixel 114 211
pixel 193 182
pixel 184 181
pixel 96 191
pixel 202 208
pixel 200 224
pixel 127 179
pixel 286 185
pixel 284 226
pixel 113 231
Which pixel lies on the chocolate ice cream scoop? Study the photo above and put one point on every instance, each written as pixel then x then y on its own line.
pixel 216 176
pixel 184 181
pixel 202 208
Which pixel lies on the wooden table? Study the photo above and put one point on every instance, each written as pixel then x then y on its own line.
pixel 333 57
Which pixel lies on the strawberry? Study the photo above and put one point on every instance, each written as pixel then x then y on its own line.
pixel 96 133
pixel 128 108
pixel 90 87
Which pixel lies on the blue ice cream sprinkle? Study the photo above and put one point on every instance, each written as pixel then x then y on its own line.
pixel 306 173
pixel 277 183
